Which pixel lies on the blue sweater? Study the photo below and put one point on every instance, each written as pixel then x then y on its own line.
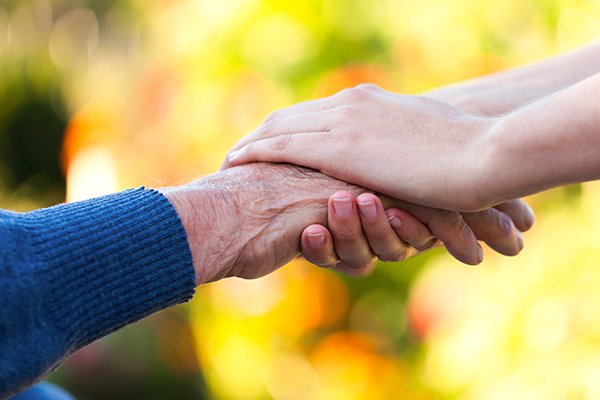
pixel 73 273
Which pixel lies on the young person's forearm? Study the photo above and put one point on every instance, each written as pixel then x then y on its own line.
pixel 552 142
pixel 505 91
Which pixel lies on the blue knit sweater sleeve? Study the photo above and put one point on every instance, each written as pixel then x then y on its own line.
pixel 73 273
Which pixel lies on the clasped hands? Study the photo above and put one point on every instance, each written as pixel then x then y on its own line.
pixel 398 175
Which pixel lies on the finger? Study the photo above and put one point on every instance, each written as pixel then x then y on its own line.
pixel 497 230
pixel 317 246
pixel 306 117
pixel 276 118
pixel 317 121
pixel 410 229
pixel 384 242
pixel 457 236
pixel 323 103
pixel 450 228
pixel 349 240
pixel 520 213
pixel 296 149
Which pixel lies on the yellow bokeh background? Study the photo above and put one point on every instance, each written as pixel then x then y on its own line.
pixel 156 92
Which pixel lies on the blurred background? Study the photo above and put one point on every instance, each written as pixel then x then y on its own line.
pixel 102 95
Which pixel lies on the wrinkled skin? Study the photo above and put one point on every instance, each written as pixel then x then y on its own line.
pixel 252 217
pixel 247 221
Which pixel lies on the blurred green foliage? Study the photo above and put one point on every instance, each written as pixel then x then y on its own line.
pixel 103 95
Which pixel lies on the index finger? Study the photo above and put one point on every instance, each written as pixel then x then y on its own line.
pixel 299 108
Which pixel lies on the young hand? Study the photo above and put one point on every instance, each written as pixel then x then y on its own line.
pixel 414 148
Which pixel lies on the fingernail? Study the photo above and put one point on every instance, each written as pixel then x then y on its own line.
pixel 315 239
pixel 395 221
pixel 520 241
pixel 231 157
pixel 367 209
pixel 342 206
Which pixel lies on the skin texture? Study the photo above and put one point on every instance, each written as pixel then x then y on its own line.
pixel 247 221
pixel 447 159
pixel 491 95
pixel 448 155
pixel 506 91
pixel 551 142
pixel 387 233
pixel 371 137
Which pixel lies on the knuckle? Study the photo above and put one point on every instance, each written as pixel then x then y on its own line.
pixel 504 224
pixel 367 86
pixel 265 127
pixel 493 224
pixel 361 266
pixel 346 236
pixel 427 244
pixel 380 234
pixel 273 116
pixel 281 142
pixel 455 221
pixel 345 93
pixel 398 254
pixel 270 122
pixel 443 216
pixel 454 228
pixel 345 112
pixel 353 94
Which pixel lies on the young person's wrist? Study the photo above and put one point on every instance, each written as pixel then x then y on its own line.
pixel 476 185
pixel 506 170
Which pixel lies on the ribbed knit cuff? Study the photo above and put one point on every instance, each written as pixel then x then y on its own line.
pixel 110 261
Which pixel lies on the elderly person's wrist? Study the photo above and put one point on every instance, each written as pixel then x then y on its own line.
pixel 246 222
pixel 210 220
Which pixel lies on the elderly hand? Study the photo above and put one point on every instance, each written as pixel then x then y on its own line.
pixel 362 231
pixel 247 221
pixel 414 148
